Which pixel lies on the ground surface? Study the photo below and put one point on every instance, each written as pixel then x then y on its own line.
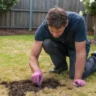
pixel 19 88
pixel 15 74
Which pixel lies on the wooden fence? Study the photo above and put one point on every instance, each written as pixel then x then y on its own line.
pixel 19 16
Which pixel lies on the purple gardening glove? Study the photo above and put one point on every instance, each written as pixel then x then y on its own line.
pixel 79 83
pixel 37 78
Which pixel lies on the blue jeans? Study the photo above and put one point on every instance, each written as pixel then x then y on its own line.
pixel 58 53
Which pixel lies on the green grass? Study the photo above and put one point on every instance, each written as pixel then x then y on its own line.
pixel 14 66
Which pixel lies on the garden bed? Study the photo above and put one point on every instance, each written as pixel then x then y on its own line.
pixel 4 32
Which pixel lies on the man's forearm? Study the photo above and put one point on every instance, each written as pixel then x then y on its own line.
pixel 34 65
pixel 80 65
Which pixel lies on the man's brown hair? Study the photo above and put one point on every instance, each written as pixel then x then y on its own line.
pixel 56 17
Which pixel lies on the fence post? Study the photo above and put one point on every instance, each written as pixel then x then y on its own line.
pixel 30 20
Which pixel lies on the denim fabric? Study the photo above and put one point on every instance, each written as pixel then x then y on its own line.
pixel 58 58
pixel 58 53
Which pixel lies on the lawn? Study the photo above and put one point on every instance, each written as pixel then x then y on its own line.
pixel 15 74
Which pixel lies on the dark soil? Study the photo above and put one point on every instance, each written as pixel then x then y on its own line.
pixel 5 32
pixel 18 88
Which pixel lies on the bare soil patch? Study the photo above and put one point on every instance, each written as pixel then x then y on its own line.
pixel 18 88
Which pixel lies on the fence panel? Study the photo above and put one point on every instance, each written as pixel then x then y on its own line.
pixel 19 15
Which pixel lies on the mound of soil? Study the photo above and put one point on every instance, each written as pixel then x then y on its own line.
pixel 18 88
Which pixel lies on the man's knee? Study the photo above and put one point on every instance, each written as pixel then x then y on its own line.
pixel 90 66
pixel 49 45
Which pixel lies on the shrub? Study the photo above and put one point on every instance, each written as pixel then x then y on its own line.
pixel 5 5
pixel 89 7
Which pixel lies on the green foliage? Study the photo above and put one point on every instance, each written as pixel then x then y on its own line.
pixel 89 6
pixel 5 5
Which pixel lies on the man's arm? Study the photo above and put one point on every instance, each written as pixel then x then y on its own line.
pixel 80 59
pixel 36 49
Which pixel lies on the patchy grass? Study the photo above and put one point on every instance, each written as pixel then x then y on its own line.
pixel 15 71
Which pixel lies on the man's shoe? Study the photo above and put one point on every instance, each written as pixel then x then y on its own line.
pixel 93 54
pixel 58 71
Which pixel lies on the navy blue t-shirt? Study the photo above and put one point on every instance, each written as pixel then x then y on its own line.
pixel 74 32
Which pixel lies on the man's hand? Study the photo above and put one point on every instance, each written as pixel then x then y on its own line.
pixel 79 83
pixel 37 78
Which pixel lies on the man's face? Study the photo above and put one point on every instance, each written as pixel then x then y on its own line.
pixel 56 32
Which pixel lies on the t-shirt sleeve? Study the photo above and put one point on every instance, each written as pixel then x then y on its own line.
pixel 80 30
pixel 39 34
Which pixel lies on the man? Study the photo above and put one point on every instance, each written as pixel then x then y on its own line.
pixel 63 34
